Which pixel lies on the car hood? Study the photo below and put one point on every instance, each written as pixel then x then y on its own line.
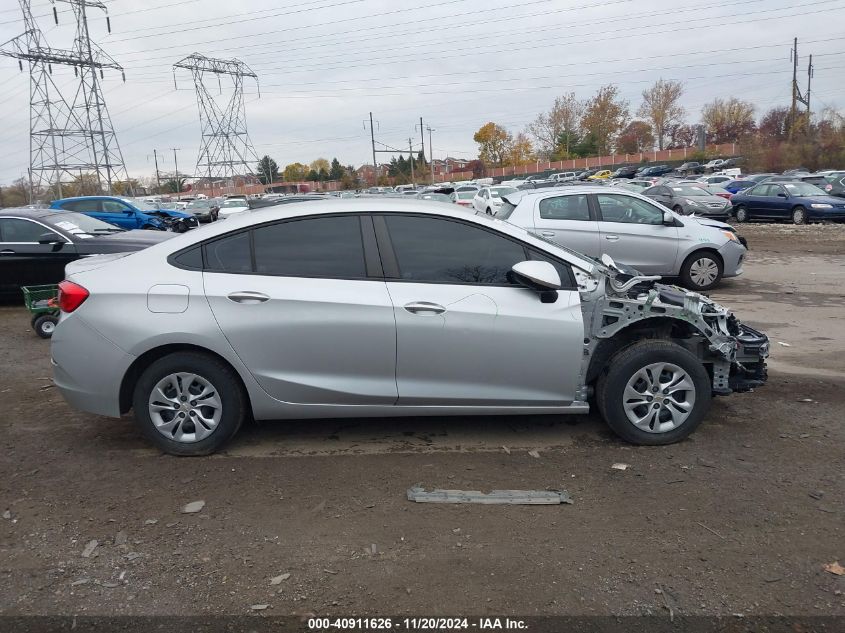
pixel 169 213
pixel 708 222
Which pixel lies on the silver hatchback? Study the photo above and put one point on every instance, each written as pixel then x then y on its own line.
pixel 391 307
pixel 632 229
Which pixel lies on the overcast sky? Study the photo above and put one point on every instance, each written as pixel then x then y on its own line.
pixel 323 65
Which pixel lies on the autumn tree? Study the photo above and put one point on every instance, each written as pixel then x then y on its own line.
pixel 662 108
pixel 267 170
pixel 681 135
pixel 635 138
pixel 774 125
pixel 15 195
pixel 728 120
pixel 494 144
pixel 556 130
pixel 295 172
pixel 604 116
pixel 521 151
pixel 320 164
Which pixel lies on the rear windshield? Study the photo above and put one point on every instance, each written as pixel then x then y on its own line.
pixel 505 210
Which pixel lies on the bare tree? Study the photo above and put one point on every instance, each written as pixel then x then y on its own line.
pixel 604 116
pixel 660 106
pixel 555 130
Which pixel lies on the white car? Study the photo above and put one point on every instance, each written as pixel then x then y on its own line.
pixel 714 180
pixel 489 199
pixel 232 206
pixel 564 176
pixel 714 164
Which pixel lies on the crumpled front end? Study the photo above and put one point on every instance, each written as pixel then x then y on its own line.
pixel 734 352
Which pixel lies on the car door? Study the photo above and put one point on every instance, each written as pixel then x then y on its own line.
pixel 26 262
pixel 465 335
pixel 567 220
pixel 119 213
pixel 480 200
pixel 306 309
pixel 660 194
pixel 632 232
pixel 775 204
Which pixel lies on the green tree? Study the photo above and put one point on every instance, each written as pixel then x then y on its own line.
pixel 336 172
pixel 267 170
pixel 295 172
pixel 313 176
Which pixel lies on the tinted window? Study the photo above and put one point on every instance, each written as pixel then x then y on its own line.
pixel 113 206
pixel 442 251
pixel 317 247
pixel 80 205
pixel 231 254
pixel 14 230
pixel 567 279
pixel 628 210
pixel 565 208
pixel 190 259
pixel 505 210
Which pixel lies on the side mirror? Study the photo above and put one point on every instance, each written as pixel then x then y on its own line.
pixel 782 195
pixel 50 238
pixel 668 219
pixel 536 275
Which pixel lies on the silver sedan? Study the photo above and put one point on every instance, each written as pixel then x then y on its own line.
pixel 392 307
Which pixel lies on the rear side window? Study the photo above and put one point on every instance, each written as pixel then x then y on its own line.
pixel 230 255
pixel 433 250
pixel 190 259
pixel 81 206
pixel 565 208
pixel 21 231
pixel 328 247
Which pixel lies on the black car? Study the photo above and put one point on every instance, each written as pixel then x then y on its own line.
pixel 203 210
pixel 36 244
pixel 586 174
pixel 657 170
pixel 627 171
pixel 690 168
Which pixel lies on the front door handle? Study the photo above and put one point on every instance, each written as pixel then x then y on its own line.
pixel 247 297
pixel 612 238
pixel 547 234
pixel 7 252
pixel 424 308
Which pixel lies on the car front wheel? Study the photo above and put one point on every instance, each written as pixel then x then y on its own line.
pixel 799 215
pixel 701 271
pixel 741 214
pixel 654 392
pixel 188 403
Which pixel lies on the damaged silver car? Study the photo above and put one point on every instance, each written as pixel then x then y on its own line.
pixel 394 307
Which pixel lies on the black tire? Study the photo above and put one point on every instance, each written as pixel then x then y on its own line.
pixel 229 390
pixel 45 324
pixel 741 214
pixel 799 215
pixel 690 271
pixel 489 211
pixel 611 385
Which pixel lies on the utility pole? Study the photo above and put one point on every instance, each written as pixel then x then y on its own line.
pixel 158 178
pixel 373 140
pixel 422 137
pixel 809 81
pixel 411 154
pixel 430 153
pixel 797 97
pixel 176 165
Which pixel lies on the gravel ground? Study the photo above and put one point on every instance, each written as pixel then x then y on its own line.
pixel 311 517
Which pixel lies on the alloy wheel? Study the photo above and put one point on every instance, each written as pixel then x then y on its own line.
pixel 659 398
pixel 185 407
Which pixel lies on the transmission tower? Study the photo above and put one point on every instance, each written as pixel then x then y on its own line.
pixel 67 138
pixel 225 150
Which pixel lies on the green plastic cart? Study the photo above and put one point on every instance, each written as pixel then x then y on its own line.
pixel 43 303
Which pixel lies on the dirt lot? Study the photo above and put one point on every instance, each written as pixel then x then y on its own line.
pixel 739 519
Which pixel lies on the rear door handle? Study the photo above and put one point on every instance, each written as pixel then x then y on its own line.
pixel 612 238
pixel 424 308
pixel 248 297
pixel 7 252
pixel 547 234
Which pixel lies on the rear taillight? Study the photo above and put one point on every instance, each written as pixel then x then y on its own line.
pixel 71 296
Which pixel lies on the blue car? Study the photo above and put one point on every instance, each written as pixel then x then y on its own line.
pixel 798 201
pixel 128 214
pixel 735 186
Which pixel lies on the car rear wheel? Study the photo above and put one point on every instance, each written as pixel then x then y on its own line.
pixel 489 211
pixel 799 215
pixel 701 271
pixel 741 214
pixel 45 325
pixel 654 392
pixel 189 403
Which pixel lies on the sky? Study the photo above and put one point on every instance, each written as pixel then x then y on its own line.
pixel 323 65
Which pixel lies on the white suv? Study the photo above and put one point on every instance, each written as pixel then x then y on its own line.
pixel 631 229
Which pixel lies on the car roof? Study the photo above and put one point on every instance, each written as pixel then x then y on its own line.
pixel 23 212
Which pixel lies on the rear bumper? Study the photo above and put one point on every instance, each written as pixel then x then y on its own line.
pixel 87 367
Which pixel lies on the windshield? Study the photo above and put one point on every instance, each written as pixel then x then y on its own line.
pixel 498 192
pixel 690 191
pixel 198 204
pixel 231 204
pixel 803 189
pixel 465 195
pixel 81 225
pixel 141 205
